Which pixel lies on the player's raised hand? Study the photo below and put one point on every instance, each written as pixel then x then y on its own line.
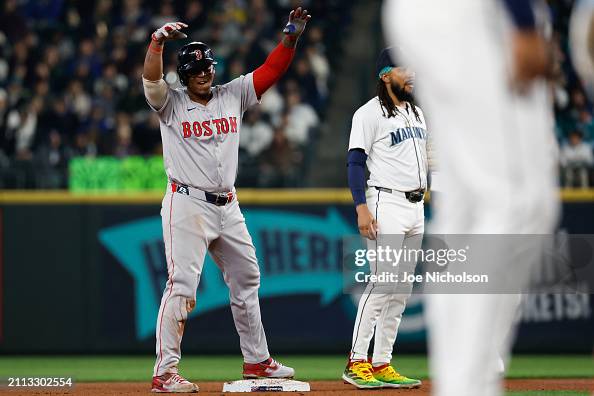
pixel 297 20
pixel 170 31
pixel 366 223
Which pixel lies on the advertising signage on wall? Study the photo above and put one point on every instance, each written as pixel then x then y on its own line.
pixel 103 263
pixel 298 253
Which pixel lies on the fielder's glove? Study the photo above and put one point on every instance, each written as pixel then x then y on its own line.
pixel 297 20
pixel 169 31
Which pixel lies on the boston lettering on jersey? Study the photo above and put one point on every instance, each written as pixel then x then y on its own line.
pixel 406 133
pixel 207 128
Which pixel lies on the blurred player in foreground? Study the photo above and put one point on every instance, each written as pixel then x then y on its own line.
pixel 581 31
pixel 483 65
pixel 200 127
pixel 389 135
pixel 582 42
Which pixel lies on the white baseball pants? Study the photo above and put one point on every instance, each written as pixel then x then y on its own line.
pixel 400 223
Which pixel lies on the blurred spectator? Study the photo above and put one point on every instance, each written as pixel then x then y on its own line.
pixel 578 101
pixel 3 112
pixel 577 161
pixel 53 153
pixel 166 14
pixel 21 126
pixel 123 145
pixel 320 68
pixel 585 124
pixel 132 99
pixel 306 81
pixel 4 67
pixel 52 158
pixel 78 100
pixel 194 14
pixel 85 144
pixel 46 11
pixel 147 135
pixel 272 102
pixel 112 79
pixel 279 162
pixel 57 116
pixel 87 64
pixel 102 16
pixel 134 20
pixel 255 134
pixel 13 24
pixel 235 68
pixel 301 118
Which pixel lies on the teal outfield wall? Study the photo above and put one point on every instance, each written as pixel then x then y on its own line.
pixel 87 277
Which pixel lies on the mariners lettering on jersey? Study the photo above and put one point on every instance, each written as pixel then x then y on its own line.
pixel 402 134
pixel 208 127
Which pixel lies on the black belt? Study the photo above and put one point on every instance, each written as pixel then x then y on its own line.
pixel 218 199
pixel 411 196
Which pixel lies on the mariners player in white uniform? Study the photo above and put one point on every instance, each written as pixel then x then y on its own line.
pixel 389 136
pixel 200 127
pixel 483 67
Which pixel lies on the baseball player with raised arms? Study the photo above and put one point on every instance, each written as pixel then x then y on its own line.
pixel 388 135
pixel 200 127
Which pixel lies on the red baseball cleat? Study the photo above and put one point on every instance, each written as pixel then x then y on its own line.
pixel 172 383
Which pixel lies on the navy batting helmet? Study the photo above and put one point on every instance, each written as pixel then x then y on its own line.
pixel 193 58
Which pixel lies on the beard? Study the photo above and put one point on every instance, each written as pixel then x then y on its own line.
pixel 401 93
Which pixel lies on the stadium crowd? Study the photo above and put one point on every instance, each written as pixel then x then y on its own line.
pixel 70 82
pixel 70 85
pixel 573 110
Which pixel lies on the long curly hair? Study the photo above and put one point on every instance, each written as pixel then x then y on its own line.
pixel 387 104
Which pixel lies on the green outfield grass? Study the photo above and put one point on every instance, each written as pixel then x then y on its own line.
pixel 210 368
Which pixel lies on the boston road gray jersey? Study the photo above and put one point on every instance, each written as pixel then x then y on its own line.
pixel 395 146
pixel 201 142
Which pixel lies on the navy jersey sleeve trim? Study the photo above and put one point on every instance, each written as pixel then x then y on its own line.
pixel 356 174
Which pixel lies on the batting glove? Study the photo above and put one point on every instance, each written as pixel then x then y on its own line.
pixel 169 31
pixel 297 20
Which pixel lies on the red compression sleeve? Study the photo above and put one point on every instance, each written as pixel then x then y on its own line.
pixel 275 66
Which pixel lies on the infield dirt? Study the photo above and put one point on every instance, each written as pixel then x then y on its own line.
pixel 318 388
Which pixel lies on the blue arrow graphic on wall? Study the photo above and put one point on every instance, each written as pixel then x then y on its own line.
pixel 298 253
